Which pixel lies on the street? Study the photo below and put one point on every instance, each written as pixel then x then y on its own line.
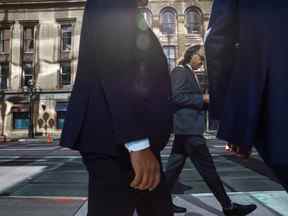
pixel 39 179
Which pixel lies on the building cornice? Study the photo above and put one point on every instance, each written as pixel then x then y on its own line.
pixel 18 4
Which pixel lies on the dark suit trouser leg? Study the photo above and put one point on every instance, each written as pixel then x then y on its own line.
pixel 157 202
pixel 109 193
pixel 281 174
pixel 175 162
pixel 173 169
pixel 200 156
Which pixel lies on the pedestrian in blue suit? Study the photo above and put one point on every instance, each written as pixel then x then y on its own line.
pixel 248 71
pixel 189 127
pixel 120 115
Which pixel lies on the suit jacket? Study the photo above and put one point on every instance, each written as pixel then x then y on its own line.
pixel 189 118
pixel 247 68
pixel 122 90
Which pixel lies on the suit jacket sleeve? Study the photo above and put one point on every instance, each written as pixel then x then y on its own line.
pixel 183 95
pixel 220 42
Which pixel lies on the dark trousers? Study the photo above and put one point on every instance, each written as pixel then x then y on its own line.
pixel 281 174
pixel 110 194
pixel 195 148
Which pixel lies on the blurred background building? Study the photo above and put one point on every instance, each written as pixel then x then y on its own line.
pixel 39 44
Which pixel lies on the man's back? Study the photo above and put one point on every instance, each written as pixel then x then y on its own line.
pixel 252 92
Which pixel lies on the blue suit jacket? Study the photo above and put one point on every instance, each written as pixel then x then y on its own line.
pixel 189 118
pixel 122 90
pixel 247 65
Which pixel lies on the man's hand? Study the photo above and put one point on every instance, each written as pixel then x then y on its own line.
pixel 206 98
pixel 146 169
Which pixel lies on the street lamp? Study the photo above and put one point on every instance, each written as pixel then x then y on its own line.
pixel 32 92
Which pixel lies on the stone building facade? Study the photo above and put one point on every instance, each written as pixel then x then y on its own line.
pixel 39 45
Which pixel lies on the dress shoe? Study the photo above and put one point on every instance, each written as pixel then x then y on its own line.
pixel 178 209
pixel 239 210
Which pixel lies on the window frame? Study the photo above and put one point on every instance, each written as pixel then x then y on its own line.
pixel 193 27
pixel 61 110
pixel 60 115
pixel 24 74
pixel 168 25
pixel 14 121
pixel 25 49
pixel 62 38
pixel 3 39
pixel 6 76
pixel 62 74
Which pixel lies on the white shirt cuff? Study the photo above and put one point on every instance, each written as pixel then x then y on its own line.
pixel 137 145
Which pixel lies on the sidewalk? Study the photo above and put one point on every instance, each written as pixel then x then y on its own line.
pixel 40 206
pixel 38 179
pixel 273 203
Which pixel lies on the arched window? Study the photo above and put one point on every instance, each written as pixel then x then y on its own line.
pixel 168 21
pixel 193 20
pixel 148 16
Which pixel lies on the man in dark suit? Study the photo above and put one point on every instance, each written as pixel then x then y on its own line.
pixel 247 67
pixel 189 127
pixel 120 114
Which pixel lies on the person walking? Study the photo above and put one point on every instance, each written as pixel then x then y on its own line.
pixel 120 115
pixel 189 126
pixel 251 104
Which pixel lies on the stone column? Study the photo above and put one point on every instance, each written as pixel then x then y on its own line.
pixel 48 55
pixel 16 67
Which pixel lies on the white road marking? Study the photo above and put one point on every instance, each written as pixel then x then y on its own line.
pixel 13 175
pixel 30 149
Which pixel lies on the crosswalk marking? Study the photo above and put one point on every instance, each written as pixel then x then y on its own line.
pixel 11 176
pixel 206 204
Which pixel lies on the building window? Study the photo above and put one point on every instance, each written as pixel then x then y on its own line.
pixel 28 39
pixel 4 40
pixel 21 120
pixel 65 73
pixel 168 21
pixel 4 71
pixel 193 21
pixel 66 37
pixel 170 52
pixel 60 119
pixel 148 16
pixel 27 73
pixel 61 109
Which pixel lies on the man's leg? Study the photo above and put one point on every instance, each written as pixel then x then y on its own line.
pixel 173 169
pixel 109 192
pixel 202 159
pixel 157 202
pixel 281 174
pixel 175 162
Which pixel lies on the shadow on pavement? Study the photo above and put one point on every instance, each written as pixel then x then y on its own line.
pixel 254 164
pixel 197 202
